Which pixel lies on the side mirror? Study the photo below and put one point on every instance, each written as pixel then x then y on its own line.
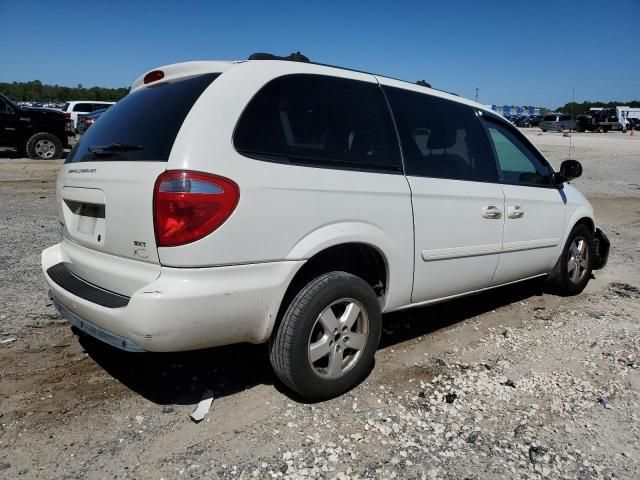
pixel 569 170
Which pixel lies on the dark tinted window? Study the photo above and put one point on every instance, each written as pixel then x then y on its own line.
pixel 441 138
pixel 550 118
pixel 82 107
pixel 565 117
pixel 319 120
pixel 148 119
pixel 3 106
pixel 519 164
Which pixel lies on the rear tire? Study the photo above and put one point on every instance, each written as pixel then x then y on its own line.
pixel 573 269
pixel 44 146
pixel 328 336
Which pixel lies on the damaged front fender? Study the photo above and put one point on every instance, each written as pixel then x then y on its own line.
pixel 601 246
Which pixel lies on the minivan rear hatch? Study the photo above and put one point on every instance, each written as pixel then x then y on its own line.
pixel 105 189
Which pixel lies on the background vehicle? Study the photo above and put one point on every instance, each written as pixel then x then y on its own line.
pixel 160 217
pixel 557 122
pixel 598 120
pixel 632 124
pixel 75 108
pixel 534 120
pixel 627 116
pixel 85 121
pixel 36 132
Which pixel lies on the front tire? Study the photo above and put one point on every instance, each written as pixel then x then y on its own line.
pixel 573 269
pixel 44 146
pixel 328 336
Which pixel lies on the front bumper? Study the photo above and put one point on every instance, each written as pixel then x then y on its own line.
pixel 182 309
pixel 601 246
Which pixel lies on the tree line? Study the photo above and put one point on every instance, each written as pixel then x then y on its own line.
pixel 37 91
pixel 578 108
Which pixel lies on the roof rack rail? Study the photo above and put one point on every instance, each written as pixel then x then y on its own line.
pixel 294 57
pixel 298 57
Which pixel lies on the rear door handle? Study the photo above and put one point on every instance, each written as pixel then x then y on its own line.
pixel 515 211
pixel 492 212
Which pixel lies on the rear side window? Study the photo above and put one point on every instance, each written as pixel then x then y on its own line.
pixel 82 107
pixel 519 165
pixel 319 121
pixel 143 125
pixel 441 138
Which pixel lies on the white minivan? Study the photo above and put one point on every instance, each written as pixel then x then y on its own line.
pixel 76 108
pixel 277 200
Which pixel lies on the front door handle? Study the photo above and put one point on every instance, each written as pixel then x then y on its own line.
pixel 492 212
pixel 515 211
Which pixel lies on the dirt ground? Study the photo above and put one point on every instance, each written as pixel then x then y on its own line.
pixel 514 383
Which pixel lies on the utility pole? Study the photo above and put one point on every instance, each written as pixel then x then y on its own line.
pixel 477 90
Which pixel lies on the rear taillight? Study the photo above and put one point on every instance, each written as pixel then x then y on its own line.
pixel 68 114
pixel 190 205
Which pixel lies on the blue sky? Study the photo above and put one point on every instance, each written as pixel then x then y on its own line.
pixel 515 52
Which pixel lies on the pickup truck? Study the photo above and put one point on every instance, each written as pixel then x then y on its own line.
pixel 40 133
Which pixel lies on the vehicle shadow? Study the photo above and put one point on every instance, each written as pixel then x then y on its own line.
pixel 181 378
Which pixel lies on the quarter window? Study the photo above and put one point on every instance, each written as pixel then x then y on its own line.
pixel 519 165
pixel 441 138
pixel 321 121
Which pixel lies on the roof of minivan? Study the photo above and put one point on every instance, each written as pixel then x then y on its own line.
pixel 183 69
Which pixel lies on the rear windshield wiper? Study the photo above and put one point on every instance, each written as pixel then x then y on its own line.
pixel 114 148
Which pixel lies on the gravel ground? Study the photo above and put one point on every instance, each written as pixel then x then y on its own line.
pixel 514 383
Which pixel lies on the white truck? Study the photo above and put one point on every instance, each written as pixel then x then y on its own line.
pixel 625 114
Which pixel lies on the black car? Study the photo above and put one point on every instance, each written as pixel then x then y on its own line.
pixel 85 121
pixel 39 132
pixel 534 120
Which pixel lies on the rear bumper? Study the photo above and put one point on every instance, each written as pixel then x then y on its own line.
pixel 601 246
pixel 182 309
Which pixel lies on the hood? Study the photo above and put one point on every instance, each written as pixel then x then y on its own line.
pixel 43 112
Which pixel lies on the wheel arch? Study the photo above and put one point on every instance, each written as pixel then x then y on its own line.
pixel 581 215
pixel 359 258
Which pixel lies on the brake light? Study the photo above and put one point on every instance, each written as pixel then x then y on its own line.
pixel 68 114
pixel 153 76
pixel 190 205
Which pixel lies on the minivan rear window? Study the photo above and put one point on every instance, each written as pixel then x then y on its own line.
pixel 550 118
pixel 143 125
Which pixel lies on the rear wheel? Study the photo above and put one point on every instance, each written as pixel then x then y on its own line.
pixel 328 336
pixel 44 146
pixel 573 269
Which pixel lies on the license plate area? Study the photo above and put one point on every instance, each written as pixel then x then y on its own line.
pixel 85 215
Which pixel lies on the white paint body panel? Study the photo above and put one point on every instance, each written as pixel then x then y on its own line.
pixel 228 287
pixel 457 249
pixel 530 242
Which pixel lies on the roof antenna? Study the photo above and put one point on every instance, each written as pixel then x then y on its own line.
pixel 423 83
pixel 573 104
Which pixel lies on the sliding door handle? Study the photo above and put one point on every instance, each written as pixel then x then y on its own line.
pixel 491 212
pixel 515 211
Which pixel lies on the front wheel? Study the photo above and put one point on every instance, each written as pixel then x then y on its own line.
pixel 44 146
pixel 328 336
pixel 573 269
